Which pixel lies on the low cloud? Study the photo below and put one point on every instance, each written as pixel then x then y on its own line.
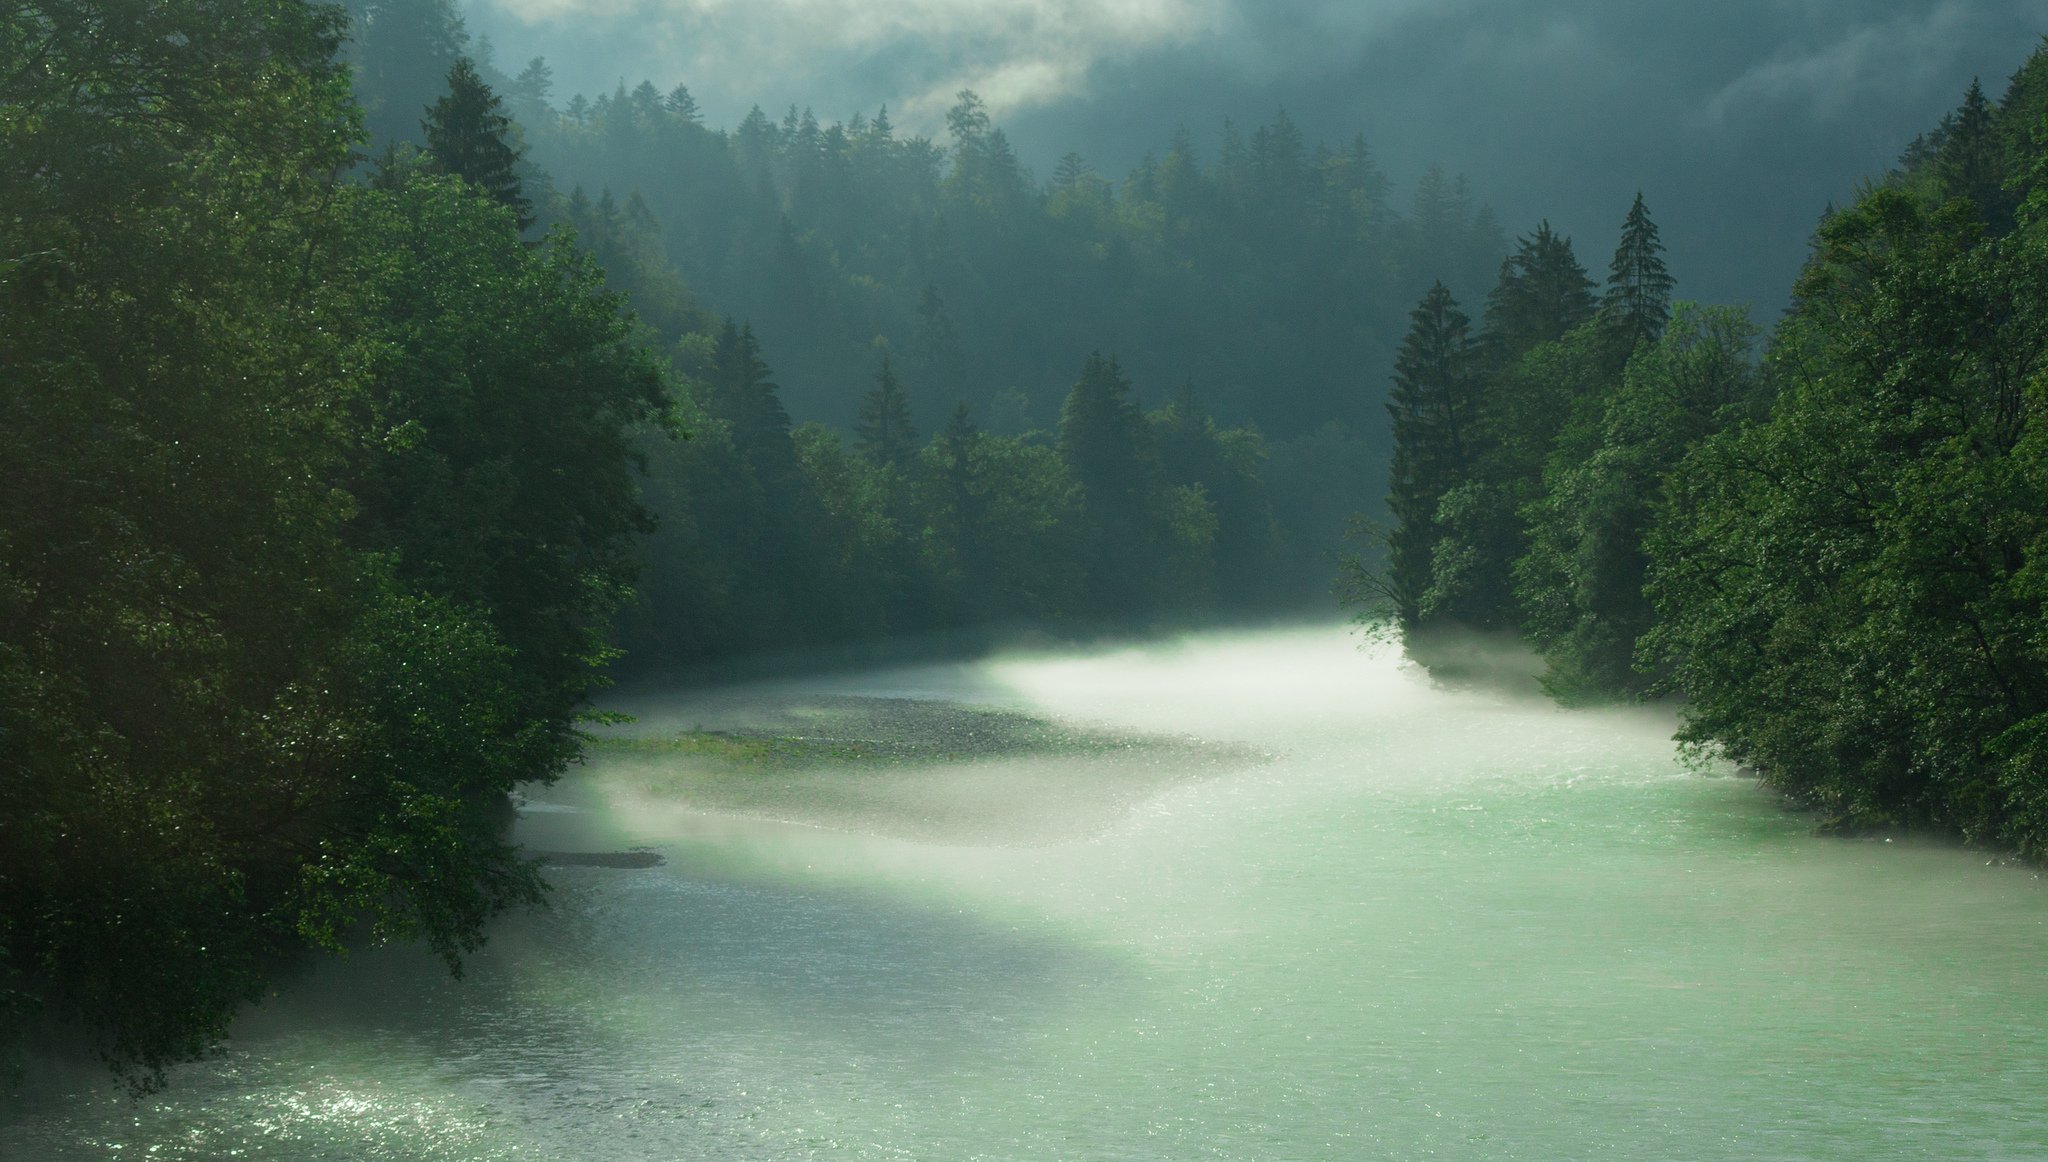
pixel 1017 53
pixel 1840 76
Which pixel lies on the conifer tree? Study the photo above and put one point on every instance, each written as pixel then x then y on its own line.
pixel 740 392
pixel 682 104
pixel 1638 300
pixel 937 370
pixel 531 87
pixel 885 434
pixel 1970 163
pixel 467 135
pixel 1107 448
pixel 1071 171
pixel 1434 408
pixel 1543 292
pixel 955 443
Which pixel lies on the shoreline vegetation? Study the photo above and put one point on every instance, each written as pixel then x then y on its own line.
pixel 345 457
pixel 1826 544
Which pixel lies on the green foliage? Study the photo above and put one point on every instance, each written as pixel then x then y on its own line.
pixel 1435 406
pixel 1543 293
pixel 885 431
pixel 1848 590
pixel 1131 535
pixel 1638 299
pixel 314 499
pixel 1580 584
pixel 1486 432
pixel 466 135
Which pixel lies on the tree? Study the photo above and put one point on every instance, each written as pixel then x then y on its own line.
pixel 1107 449
pixel 1434 408
pixel 467 135
pixel 1581 583
pixel 1543 292
pixel 885 433
pixel 1071 171
pixel 315 495
pixel 1971 161
pixel 1849 591
pixel 738 391
pixel 1638 300
pixel 937 369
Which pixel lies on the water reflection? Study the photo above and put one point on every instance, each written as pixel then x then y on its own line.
pixel 1451 921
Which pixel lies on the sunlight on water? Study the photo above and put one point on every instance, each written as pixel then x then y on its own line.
pixel 1269 895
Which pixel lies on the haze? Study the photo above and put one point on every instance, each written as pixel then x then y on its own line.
pixel 1738 120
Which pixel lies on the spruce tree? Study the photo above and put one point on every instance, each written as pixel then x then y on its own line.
pixel 937 369
pixel 1543 292
pixel 885 434
pixel 1638 300
pixel 1434 408
pixel 532 86
pixel 467 135
pixel 1107 448
pixel 740 392
pixel 955 445
pixel 1971 164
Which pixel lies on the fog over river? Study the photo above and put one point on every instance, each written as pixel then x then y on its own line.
pixel 1261 895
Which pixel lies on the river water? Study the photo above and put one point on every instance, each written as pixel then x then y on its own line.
pixel 1296 902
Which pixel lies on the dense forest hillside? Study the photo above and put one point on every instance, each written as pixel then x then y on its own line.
pixel 359 404
pixel 1834 554
pixel 1261 275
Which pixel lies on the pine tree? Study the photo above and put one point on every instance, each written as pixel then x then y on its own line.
pixel 1107 448
pixel 1434 408
pixel 682 104
pixel 531 88
pixel 937 370
pixel 1638 300
pixel 885 434
pixel 467 135
pixel 963 502
pixel 1072 170
pixel 1543 292
pixel 1971 163
pixel 740 392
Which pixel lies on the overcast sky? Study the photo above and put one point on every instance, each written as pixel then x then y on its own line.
pixel 1739 119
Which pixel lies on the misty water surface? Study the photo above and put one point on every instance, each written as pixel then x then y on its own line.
pixel 1283 898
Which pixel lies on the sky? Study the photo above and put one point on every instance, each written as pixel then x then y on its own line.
pixel 1739 120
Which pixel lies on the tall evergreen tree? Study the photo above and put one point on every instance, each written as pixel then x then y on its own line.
pixel 468 136
pixel 1543 292
pixel 1434 407
pixel 740 392
pixel 885 434
pixel 1971 162
pixel 937 369
pixel 1638 300
pixel 1107 448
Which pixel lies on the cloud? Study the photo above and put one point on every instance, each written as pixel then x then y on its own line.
pixel 1840 77
pixel 916 54
pixel 1017 53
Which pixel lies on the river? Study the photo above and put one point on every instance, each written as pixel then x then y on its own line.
pixel 1260 896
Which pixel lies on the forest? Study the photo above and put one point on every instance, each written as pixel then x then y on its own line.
pixel 1826 543
pixel 368 408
